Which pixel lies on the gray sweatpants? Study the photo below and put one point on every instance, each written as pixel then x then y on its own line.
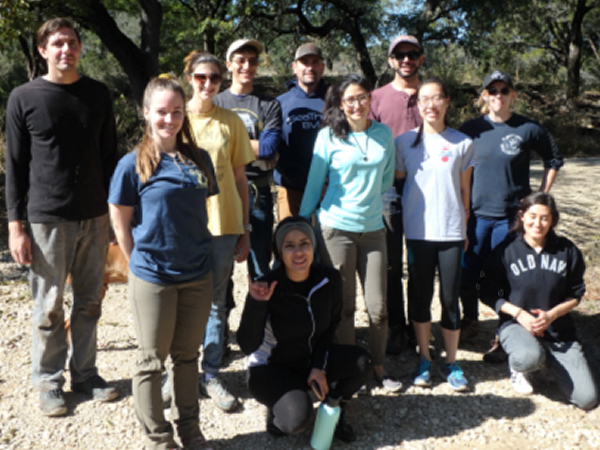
pixel 527 353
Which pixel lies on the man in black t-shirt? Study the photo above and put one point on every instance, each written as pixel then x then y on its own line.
pixel 60 153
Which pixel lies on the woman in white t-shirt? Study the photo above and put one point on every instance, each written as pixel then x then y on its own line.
pixel 435 160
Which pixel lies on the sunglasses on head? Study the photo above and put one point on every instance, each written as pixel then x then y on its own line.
pixel 494 91
pixel 413 55
pixel 213 77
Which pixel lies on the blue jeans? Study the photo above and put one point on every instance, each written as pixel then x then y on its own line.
pixel 261 218
pixel 484 235
pixel 222 255
pixel 59 249
pixel 527 353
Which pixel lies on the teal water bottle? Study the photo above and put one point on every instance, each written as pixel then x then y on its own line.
pixel 327 419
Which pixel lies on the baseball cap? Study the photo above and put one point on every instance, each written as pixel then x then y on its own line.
pixel 308 49
pixel 236 45
pixel 404 39
pixel 497 75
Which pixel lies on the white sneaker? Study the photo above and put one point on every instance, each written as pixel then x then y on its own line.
pixel 520 383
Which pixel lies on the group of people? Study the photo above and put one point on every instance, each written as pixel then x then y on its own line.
pixel 357 170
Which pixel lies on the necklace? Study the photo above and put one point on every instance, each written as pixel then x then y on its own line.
pixel 363 152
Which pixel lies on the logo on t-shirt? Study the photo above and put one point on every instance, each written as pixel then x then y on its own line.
pixel 446 153
pixel 511 144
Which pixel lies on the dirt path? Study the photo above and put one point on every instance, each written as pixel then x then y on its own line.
pixel 490 417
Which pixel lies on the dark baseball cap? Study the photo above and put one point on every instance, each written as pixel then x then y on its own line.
pixel 404 39
pixel 497 75
pixel 308 49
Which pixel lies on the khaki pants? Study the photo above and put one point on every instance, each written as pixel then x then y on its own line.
pixel 168 320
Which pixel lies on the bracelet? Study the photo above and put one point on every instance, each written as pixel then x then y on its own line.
pixel 517 314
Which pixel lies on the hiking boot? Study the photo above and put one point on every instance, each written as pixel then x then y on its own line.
pixel 196 443
pixel 219 394
pixel 396 341
pixel 422 376
pixel 455 377
pixel 97 388
pixel 520 382
pixel 469 329
pixel 52 403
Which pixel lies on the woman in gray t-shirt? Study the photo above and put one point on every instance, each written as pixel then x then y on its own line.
pixel 435 160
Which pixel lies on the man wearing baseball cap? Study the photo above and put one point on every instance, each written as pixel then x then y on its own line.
pixel 301 109
pixel 261 115
pixel 395 105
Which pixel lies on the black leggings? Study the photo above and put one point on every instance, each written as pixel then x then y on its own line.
pixel 285 391
pixel 423 257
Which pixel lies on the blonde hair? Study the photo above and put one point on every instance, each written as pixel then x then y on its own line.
pixel 148 156
pixel 482 103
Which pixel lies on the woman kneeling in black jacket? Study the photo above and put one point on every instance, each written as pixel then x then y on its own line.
pixel 287 328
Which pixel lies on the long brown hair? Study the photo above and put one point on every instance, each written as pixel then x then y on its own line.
pixel 148 155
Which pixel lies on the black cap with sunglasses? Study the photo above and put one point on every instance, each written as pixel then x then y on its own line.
pixel 497 75
pixel 404 40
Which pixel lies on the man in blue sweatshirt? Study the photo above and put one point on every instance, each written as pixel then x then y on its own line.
pixel 301 108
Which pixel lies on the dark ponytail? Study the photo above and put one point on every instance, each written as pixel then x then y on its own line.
pixel 445 91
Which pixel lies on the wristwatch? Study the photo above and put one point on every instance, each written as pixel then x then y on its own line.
pixel 248 227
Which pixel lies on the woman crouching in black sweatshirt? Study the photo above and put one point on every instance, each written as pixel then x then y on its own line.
pixel 287 328
pixel 533 280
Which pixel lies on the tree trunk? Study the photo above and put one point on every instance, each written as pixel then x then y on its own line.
pixel 573 61
pixel 140 64
pixel 352 27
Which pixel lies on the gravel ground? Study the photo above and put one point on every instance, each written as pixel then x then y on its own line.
pixel 491 416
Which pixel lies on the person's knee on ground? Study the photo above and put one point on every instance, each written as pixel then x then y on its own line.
pixel 293 412
pixel 527 358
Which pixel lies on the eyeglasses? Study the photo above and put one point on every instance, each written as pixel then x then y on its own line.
pixel 495 91
pixel 413 55
pixel 436 100
pixel 361 100
pixel 215 78
pixel 240 61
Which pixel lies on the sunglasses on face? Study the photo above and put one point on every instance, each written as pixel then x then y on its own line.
pixel 361 100
pixel 495 91
pixel 413 55
pixel 253 62
pixel 214 78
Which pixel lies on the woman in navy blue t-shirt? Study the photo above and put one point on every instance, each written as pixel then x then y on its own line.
pixel 163 186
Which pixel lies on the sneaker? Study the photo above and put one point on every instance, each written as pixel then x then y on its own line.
pixel 165 390
pixel 219 394
pixel 52 403
pixel 396 341
pixel 422 376
pixel 97 388
pixel 389 382
pixel 469 329
pixel 520 382
pixel 196 443
pixel 496 354
pixel 455 377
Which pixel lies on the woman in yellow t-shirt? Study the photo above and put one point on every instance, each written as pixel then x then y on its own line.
pixel 223 135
